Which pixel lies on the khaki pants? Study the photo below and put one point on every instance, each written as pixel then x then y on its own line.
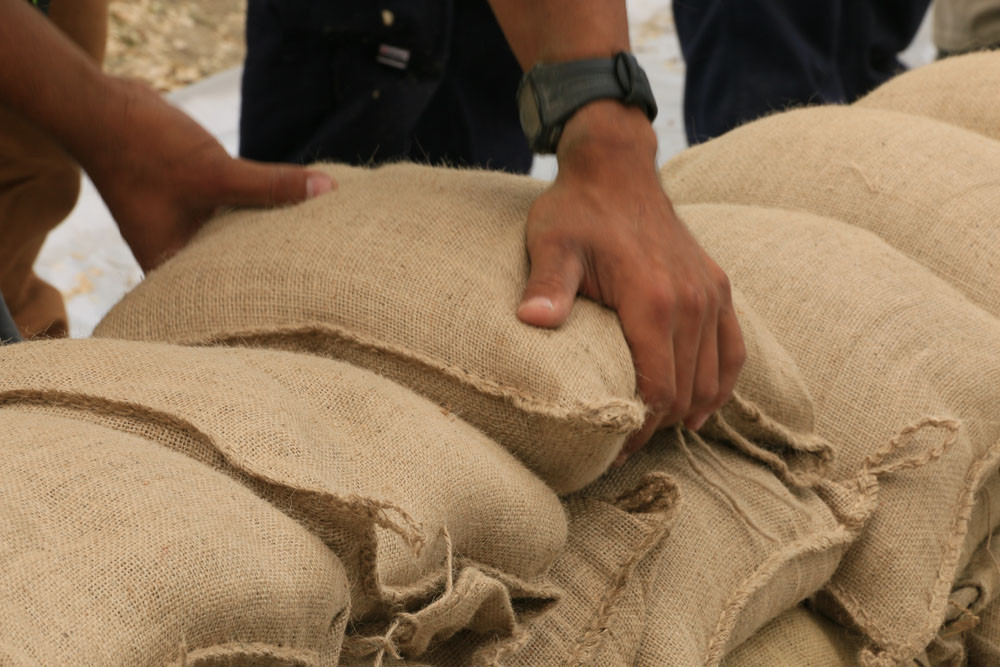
pixel 966 25
pixel 39 184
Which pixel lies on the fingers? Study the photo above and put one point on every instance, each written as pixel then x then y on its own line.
pixel 688 352
pixel 251 183
pixel 705 385
pixel 648 323
pixel 732 354
pixel 556 272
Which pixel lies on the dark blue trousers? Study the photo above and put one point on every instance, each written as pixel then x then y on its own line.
pixel 746 58
pixel 430 81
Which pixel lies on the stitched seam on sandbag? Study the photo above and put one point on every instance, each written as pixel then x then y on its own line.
pixel 800 443
pixel 763 575
pixel 373 511
pixel 592 639
pixel 369 511
pixel 617 415
pixel 296 657
pixel 951 552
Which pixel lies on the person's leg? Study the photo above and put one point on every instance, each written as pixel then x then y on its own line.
pixel 873 33
pixel 39 184
pixel 747 58
pixel 339 81
pixel 472 119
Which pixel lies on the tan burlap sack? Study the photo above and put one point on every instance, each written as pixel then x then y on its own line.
pixel 438 527
pixel 796 638
pixel 677 557
pixel 415 272
pixel 905 375
pixel 927 188
pixel 983 643
pixel 960 91
pixel 116 551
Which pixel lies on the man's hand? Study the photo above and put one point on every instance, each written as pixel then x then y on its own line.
pixel 159 172
pixel 162 175
pixel 605 229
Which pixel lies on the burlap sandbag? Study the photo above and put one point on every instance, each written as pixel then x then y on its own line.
pixel 420 507
pixel 961 91
pixel 795 638
pixel 677 557
pixel 415 272
pixel 116 551
pixel 983 643
pixel 927 188
pixel 905 375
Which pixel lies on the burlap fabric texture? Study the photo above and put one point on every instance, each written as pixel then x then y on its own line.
pixel 899 365
pixel 438 527
pixel 116 551
pixel 415 273
pixel 676 558
pixel 795 638
pixel 960 91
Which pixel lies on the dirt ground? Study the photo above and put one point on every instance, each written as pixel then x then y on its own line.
pixel 173 43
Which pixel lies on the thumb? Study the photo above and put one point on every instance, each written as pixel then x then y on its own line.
pixel 556 272
pixel 257 184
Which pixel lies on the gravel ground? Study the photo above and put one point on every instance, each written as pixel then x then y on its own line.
pixel 173 43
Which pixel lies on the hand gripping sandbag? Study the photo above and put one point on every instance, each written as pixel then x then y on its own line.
pixel 927 188
pixel 960 90
pixel 116 551
pixel 438 527
pixel 415 273
pixel 905 377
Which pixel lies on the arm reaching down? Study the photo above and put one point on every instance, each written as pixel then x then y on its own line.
pixel 606 229
pixel 159 172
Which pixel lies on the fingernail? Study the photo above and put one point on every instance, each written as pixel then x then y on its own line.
pixel 701 422
pixel 538 302
pixel 318 184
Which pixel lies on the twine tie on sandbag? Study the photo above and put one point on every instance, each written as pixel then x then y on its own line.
pixel 721 490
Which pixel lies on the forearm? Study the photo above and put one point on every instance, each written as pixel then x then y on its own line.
pixel 49 80
pixel 549 31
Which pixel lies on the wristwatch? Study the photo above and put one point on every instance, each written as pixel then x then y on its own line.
pixel 549 95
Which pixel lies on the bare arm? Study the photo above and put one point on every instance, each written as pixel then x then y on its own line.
pixel 159 172
pixel 607 230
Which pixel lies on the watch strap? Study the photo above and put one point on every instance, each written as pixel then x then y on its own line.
pixel 561 89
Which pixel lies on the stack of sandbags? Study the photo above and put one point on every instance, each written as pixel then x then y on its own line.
pixel 415 273
pixel 355 363
pixel 867 239
pixel 437 527
pixel 116 551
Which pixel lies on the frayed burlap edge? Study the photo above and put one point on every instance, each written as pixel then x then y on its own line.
pixel 613 415
pixel 886 651
pixel 361 515
pixel 656 496
pixel 740 422
pixel 279 656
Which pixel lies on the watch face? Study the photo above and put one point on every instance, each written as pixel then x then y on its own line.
pixel 528 106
